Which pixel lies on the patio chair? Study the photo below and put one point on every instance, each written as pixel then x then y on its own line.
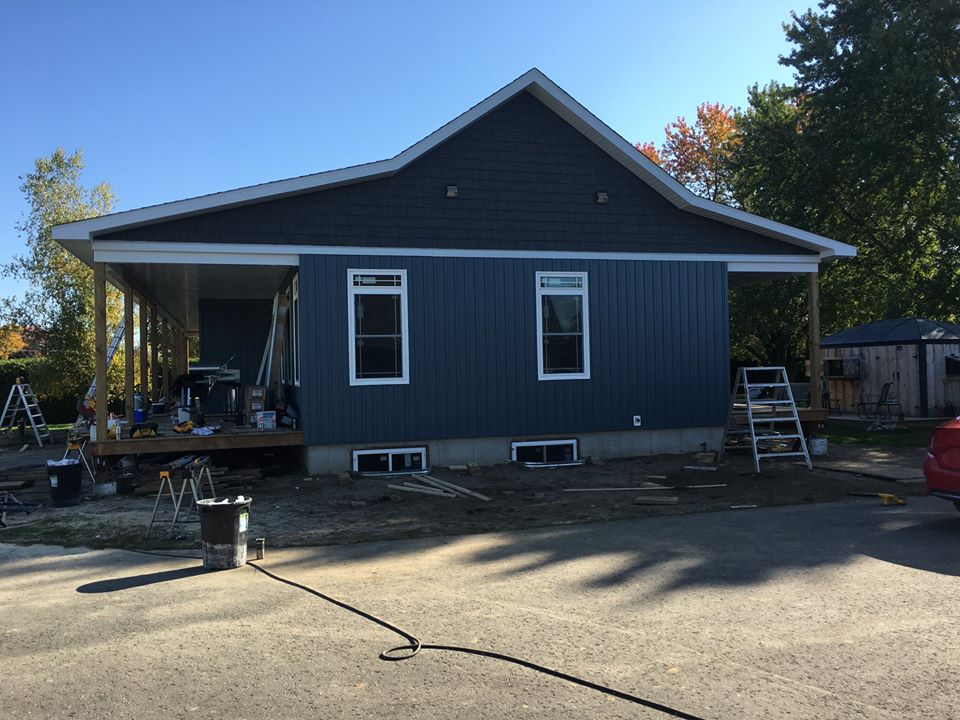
pixel 879 410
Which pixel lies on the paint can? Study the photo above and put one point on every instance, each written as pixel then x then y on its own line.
pixel 818 446
pixel 223 531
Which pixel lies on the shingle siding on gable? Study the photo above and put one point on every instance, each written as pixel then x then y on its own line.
pixel 527 180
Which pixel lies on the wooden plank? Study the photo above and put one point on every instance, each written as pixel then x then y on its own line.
pixel 100 332
pixel 197 443
pixel 128 352
pixel 154 355
pixel 144 359
pixel 816 361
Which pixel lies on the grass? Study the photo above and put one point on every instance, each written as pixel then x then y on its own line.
pixel 75 532
pixel 913 435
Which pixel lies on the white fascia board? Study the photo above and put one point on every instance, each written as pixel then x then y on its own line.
pixel 541 87
pixel 120 251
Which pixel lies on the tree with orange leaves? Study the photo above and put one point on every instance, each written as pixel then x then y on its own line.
pixel 700 155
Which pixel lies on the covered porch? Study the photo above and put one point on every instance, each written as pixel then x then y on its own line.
pixel 238 318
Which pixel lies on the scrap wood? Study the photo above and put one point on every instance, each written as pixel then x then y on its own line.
pixel 647 486
pixel 451 487
pixel 709 468
pixel 655 500
pixel 433 482
pixel 15 484
pixel 421 489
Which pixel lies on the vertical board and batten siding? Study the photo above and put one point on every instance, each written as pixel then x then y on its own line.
pixel 235 327
pixel 658 342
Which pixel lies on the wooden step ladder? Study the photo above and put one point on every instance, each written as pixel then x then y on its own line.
pixel 22 401
pixel 764 416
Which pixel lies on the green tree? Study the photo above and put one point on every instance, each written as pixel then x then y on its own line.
pixel 59 297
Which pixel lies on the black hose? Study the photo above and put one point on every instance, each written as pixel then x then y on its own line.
pixel 414 646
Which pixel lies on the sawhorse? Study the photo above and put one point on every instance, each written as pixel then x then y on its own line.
pixel 193 471
pixel 75 444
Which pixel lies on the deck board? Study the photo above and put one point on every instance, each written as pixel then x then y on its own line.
pixel 227 440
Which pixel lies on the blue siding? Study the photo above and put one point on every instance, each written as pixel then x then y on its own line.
pixel 527 179
pixel 659 348
pixel 235 327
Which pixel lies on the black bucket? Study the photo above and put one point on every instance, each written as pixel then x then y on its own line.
pixel 64 480
pixel 223 531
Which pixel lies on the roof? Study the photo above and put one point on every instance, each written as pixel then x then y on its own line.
pixel 76 236
pixel 903 331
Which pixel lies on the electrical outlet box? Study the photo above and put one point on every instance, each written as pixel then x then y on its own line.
pixel 636 421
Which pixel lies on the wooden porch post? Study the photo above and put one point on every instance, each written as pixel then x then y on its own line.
pixel 165 361
pixel 100 332
pixel 128 352
pixel 144 358
pixel 816 355
pixel 154 357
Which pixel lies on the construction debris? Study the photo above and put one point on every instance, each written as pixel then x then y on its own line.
pixel 709 468
pixel 411 487
pixel 885 498
pixel 655 500
pixel 645 486
pixel 447 485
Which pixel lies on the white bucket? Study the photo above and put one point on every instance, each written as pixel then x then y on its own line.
pixel 818 446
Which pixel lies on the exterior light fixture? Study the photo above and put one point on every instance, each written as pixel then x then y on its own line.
pixel 453 191
pixel 602 198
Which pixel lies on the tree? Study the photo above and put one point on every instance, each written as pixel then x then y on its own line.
pixel 11 341
pixel 699 155
pixel 59 298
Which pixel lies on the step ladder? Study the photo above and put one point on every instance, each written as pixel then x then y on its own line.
pixel 22 402
pixel 111 351
pixel 763 418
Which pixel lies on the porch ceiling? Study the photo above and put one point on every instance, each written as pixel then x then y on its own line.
pixel 178 288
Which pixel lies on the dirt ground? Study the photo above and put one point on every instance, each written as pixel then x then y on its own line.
pixel 290 509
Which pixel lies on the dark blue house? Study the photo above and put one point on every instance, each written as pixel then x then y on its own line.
pixel 522 282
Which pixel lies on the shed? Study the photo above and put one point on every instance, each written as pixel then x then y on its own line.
pixel 919 357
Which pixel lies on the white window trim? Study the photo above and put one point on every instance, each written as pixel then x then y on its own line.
pixel 538 443
pixel 355 460
pixel 352 325
pixel 585 294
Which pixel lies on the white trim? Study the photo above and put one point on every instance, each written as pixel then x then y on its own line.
pixel 389 452
pixel 295 329
pixel 352 292
pixel 289 255
pixel 539 443
pixel 541 87
pixel 583 293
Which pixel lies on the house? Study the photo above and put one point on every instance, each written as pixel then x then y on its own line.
pixel 522 281
pixel 918 359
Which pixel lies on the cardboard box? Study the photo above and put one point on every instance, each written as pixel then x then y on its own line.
pixel 254 401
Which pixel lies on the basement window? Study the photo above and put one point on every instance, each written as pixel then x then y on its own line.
pixel 390 461
pixel 563 336
pixel 377 326
pixel 545 452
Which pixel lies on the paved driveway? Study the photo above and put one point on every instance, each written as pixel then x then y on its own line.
pixel 842 610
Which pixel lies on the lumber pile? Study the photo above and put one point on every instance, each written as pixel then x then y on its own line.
pixel 224 479
pixel 428 485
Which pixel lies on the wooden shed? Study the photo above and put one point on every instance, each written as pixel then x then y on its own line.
pixel 919 358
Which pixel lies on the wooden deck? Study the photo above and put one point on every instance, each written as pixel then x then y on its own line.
pixel 170 442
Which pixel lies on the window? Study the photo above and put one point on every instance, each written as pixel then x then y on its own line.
pixel 390 461
pixel 545 452
pixel 377 316
pixel 563 337
pixel 952 363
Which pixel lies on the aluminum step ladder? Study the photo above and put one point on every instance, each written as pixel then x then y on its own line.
pixel 111 351
pixel 764 416
pixel 22 401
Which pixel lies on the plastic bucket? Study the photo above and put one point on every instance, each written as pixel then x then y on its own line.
pixel 64 480
pixel 818 446
pixel 139 415
pixel 223 531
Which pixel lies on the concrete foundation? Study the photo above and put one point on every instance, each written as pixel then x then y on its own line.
pixel 492 450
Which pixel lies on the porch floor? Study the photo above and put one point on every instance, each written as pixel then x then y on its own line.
pixel 229 438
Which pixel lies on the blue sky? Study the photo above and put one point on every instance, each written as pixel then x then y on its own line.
pixel 176 99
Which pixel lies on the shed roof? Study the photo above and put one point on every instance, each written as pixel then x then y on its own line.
pixel 902 331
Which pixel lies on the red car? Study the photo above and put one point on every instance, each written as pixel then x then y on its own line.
pixel 941 466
